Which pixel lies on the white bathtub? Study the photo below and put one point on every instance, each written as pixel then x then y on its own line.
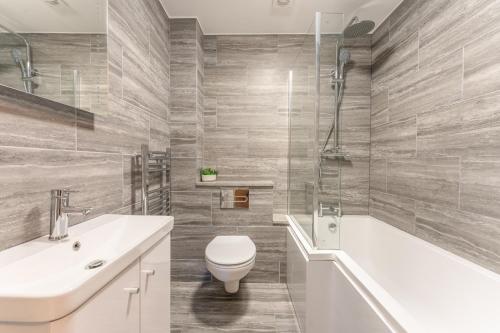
pixel 385 280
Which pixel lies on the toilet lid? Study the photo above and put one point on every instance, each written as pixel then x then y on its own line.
pixel 230 250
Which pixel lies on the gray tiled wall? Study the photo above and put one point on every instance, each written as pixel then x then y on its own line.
pixel 355 125
pixel 435 139
pixel 245 136
pixel 246 132
pixel 300 52
pixel 45 146
pixel 197 140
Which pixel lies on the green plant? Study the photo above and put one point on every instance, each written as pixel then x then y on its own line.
pixel 208 172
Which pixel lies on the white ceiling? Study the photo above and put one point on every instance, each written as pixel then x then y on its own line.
pixel 68 16
pixel 261 17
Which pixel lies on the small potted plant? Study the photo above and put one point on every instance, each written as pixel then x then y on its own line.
pixel 208 175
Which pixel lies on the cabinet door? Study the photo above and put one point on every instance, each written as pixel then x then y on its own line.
pixel 114 309
pixel 155 288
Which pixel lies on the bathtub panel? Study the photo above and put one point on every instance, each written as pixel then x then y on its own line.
pixel 320 297
pixel 334 305
pixel 324 299
pixel 351 312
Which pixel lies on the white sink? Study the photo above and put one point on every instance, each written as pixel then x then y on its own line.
pixel 42 280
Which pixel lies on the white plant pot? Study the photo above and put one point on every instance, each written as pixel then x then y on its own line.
pixel 208 178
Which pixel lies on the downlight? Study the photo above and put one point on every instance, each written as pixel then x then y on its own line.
pixel 282 3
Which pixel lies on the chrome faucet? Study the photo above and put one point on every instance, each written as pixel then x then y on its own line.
pixel 59 211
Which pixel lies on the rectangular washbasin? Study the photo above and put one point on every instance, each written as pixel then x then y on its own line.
pixel 42 280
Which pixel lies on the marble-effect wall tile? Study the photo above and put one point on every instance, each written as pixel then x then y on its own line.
pixel 28 175
pixel 434 137
pixel 45 145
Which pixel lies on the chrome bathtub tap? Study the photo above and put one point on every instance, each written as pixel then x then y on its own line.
pixel 59 211
pixel 337 211
pixel 322 208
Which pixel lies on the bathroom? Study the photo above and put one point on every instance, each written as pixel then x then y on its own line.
pixel 249 166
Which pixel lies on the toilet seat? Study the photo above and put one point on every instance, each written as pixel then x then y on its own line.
pixel 231 251
pixel 242 265
pixel 230 259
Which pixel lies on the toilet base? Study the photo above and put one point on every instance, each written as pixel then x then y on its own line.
pixel 230 275
pixel 232 287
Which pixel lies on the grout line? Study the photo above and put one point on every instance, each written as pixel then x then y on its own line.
pixel 67 150
pixel 493 30
pixel 442 57
pixel 487 94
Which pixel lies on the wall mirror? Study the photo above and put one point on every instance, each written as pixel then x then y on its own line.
pixel 55 49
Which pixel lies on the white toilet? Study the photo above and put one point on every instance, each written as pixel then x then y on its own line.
pixel 229 259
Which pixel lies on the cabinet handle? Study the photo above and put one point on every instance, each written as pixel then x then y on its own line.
pixel 131 290
pixel 149 272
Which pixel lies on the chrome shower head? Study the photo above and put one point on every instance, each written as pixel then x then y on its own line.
pixel 357 28
pixel 344 56
pixel 16 56
pixel 19 61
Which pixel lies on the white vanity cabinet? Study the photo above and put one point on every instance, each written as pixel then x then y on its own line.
pixel 137 301
pixel 114 309
pixel 155 289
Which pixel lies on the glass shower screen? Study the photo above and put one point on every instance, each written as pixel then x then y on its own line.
pixel 313 181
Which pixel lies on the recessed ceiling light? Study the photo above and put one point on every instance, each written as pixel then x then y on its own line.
pixel 282 3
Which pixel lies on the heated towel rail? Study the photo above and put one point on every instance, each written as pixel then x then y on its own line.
pixel 155 181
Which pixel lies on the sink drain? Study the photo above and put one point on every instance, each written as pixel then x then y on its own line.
pixel 76 246
pixel 95 264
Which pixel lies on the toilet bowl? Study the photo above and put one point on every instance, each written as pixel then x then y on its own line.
pixel 229 259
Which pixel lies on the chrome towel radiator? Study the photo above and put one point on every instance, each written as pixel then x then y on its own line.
pixel 155 181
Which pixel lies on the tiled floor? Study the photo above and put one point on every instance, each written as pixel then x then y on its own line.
pixel 257 307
